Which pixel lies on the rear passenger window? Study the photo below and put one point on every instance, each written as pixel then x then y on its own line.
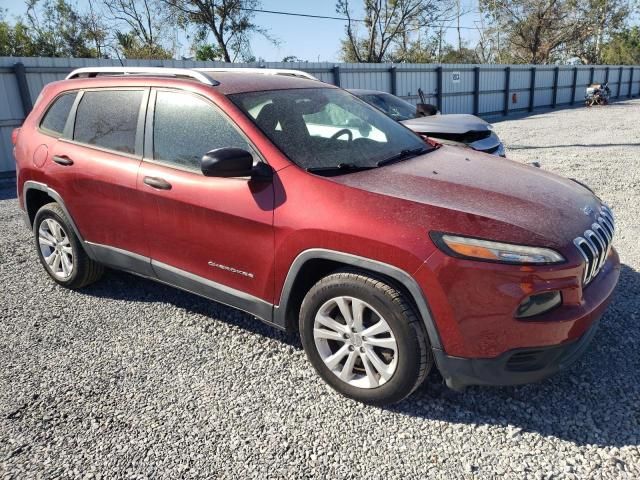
pixel 56 117
pixel 109 119
pixel 186 127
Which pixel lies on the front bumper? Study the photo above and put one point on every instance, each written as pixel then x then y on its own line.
pixel 518 366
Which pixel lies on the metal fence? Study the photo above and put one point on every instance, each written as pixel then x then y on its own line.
pixel 485 90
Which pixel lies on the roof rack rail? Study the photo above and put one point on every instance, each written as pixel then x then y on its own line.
pixel 264 71
pixel 200 76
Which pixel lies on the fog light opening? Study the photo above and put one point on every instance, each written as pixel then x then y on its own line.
pixel 538 304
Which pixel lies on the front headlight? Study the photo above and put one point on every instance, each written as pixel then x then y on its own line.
pixel 487 250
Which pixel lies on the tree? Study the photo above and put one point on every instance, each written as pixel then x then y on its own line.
pixel 144 27
pixel 15 40
pixel 461 55
pixel 229 21
pixel 623 48
pixel 96 30
pixel 600 20
pixel 291 58
pixel 57 29
pixel 536 31
pixel 389 26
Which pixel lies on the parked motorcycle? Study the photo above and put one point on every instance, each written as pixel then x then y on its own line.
pixel 597 94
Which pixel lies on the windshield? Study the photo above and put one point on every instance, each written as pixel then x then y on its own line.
pixel 393 106
pixel 324 128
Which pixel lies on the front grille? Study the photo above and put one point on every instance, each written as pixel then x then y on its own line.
pixel 595 244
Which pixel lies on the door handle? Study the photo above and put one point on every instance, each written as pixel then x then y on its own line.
pixel 62 160
pixel 159 183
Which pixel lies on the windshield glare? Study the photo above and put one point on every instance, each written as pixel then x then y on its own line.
pixel 326 127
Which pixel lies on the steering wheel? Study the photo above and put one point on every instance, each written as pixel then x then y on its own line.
pixel 339 133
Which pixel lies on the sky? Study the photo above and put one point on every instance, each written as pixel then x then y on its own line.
pixel 306 38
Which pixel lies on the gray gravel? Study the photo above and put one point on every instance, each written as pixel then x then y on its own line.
pixel 133 379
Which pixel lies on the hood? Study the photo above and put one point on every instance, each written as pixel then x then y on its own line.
pixel 454 123
pixel 548 209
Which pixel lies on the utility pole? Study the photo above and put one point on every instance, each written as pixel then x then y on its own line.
pixel 458 22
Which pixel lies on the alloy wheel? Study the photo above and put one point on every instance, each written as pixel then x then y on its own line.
pixel 355 342
pixel 56 249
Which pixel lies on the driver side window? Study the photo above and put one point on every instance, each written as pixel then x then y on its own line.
pixel 186 127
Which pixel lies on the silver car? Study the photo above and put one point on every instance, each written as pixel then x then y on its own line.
pixel 454 129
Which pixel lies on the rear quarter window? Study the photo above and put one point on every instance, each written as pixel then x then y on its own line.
pixel 56 117
pixel 109 119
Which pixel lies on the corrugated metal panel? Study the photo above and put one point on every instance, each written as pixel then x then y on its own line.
pixel 564 95
pixel 491 102
pixel 457 93
pixel 544 98
pixel 520 78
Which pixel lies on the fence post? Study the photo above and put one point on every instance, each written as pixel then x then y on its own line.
pixel 556 73
pixel 593 71
pixel 476 90
pixel 336 75
pixel 394 80
pixel 23 87
pixel 619 82
pixel 575 83
pixel 631 82
pixel 439 87
pixel 532 90
pixel 507 90
pixel 606 75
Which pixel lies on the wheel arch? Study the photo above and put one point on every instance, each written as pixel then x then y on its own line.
pixel 313 264
pixel 36 195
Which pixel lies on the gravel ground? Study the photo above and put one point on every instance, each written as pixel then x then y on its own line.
pixel 133 379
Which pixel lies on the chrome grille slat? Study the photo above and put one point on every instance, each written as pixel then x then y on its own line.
pixel 595 244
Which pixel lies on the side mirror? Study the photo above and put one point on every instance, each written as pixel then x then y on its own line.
pixel 233 162
pixel 426 110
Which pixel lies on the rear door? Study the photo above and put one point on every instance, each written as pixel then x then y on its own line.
pixel 202 229
pixel 104 151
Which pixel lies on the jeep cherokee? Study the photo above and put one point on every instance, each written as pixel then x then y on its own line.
pixel 311 210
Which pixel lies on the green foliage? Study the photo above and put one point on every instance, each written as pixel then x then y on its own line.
pixel 131 47
pixel 228 23
pixel 463 55
pixel 209 52
pixel 623 48
pixel 390 29
pixel 57 30
pixel 15 40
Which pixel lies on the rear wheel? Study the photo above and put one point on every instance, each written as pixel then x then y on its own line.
pixel 60 251
pixel 364 339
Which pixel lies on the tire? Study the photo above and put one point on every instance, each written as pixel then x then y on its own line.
pixel 347 363
pixel 72 268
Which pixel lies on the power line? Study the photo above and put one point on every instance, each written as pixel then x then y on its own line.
pixel 344 19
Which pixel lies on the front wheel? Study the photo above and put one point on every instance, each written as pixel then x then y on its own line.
pixel 364 338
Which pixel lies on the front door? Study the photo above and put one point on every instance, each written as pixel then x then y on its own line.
pixel 204 234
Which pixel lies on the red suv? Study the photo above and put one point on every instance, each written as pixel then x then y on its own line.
pixel 302 205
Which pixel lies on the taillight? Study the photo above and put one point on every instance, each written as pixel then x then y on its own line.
pixel 14 136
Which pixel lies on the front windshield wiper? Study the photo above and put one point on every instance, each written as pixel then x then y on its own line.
pixel 403 155
pixel 340 168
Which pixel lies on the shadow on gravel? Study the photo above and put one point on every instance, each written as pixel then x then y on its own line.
pixel 596 401
pixel 119 285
